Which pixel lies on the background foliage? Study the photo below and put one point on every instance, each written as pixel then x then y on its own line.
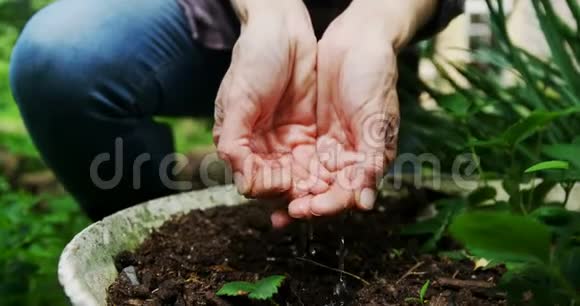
pixel 34 224
pixel 37 218
pixel 519 130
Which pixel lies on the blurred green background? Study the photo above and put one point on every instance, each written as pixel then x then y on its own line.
pixel 37 218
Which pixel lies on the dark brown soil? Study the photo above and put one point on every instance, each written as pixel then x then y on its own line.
pixel 188 259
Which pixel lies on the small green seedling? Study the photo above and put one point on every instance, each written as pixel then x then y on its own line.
pixel 421 299
pixel 396 253
pixel 263 289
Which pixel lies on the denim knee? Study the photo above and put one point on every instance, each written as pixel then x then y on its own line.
pixel 49 61
pixel 78 55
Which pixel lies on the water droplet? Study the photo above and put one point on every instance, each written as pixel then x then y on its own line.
pixel 312 251
pixel 294 250
pixel 340 288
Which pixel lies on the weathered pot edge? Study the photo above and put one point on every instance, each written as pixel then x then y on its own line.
pixel 159 210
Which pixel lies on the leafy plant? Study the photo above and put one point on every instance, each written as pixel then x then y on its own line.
pixel 436 227
pixel 542 259
pixel 525 133
pixel 507 123
pixel 34 230
pixel 503 237
pixel 396 253
pixel 263 289
pixel 422 292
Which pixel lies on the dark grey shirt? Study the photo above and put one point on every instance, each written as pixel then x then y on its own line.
pixel 214 23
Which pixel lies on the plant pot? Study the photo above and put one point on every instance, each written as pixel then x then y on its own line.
pixel 86 268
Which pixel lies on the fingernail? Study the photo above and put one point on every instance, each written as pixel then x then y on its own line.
pixel 240 183
pixel 368 198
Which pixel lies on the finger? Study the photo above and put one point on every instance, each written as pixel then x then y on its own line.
pixel 312 181
pixel 280 219
pixel 272 177
pixel 331 202
pixel 365 199
pixel 300 208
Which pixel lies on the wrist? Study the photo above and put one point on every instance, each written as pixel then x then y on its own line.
pixel 397 21
pixel 250 10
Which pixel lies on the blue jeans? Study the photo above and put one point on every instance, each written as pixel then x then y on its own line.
pixel 89 75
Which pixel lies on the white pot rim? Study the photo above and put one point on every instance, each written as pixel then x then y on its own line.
pixel 86 266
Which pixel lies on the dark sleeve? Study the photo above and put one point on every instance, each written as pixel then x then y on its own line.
pixel 445 12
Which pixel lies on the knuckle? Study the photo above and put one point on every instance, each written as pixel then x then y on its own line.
pixel 225 152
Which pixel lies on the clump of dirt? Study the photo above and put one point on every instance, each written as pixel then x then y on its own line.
pixel 189 258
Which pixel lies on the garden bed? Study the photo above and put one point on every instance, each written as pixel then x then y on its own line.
pixel 188 259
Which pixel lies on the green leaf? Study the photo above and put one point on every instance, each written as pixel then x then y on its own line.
pixel 455 104
pixel 560 56
pixel 529 125
pixel 548 165
pixel 569 152
pixel 536 279
pixel 553 216
pixel 4 186
pixel 524 128
pixel 236 289
pixel 436 226
pixel 424 290
pixel 534 198
pixel 570 265
pixel 498 207
pixel 267 287
pixel 445 209
pixel 503 237
pixel 481 195
pixel 512 187
pixel 425 227
pixel 261 290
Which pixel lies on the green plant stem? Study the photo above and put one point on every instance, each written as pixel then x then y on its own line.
pixel 512 172
pixel 476 159
pixel 538 157
pixel 555 271
pixel 568 186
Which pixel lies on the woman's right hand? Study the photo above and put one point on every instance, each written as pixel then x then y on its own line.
pixel 265 123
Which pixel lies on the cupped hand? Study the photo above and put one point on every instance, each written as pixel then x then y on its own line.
pixel 357 114
pixel 265 120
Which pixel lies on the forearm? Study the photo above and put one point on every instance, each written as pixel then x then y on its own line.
pixel 399 20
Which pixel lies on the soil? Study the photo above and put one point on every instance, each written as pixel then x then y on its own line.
pixel 189 258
